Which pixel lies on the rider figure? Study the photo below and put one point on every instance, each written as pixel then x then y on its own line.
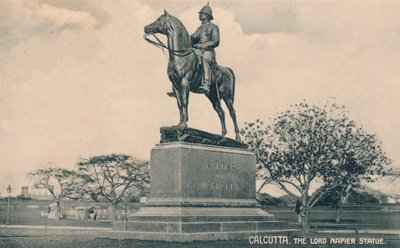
pixel 204 40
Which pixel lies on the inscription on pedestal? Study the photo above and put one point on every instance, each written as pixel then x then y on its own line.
pixel 219 180
pixel 196 171
pixel 219 175
pixel 221 167
pixel 219 186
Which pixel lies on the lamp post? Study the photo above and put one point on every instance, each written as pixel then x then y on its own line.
pixel 8 208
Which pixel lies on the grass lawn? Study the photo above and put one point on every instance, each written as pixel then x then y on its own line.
pixel 29 213
pixel 95 240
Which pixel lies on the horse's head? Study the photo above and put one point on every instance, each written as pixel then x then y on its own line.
pixel 161 25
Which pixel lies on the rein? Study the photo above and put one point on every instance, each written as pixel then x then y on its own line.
pixel 161 45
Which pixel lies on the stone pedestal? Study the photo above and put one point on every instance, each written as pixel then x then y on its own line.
pixel 200 192
pixel 202 174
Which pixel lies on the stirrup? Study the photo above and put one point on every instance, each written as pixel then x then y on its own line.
pixel 171 94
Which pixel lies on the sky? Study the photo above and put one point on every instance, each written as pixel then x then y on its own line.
pixel 77 78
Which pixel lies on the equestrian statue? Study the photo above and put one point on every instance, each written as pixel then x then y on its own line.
pixel 192 65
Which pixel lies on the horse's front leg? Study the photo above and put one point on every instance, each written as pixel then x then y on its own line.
pixel 179 102
pixel 185 87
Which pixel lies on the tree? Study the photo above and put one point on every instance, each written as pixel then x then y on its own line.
pixel 61 183
pixel 335 198
pixel 308 147
pixel 114 176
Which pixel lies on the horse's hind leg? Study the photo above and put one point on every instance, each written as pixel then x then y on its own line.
pixel 217 107
pixel 229 104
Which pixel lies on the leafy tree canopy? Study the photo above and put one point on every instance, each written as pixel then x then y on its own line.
pixel 312 144
pixel 116 177
pixel 61 183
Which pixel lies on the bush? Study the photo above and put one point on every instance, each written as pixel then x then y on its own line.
pixel 362 197
pixel 23 197
pixel 268 200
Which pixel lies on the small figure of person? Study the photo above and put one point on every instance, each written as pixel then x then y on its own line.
pixel 297 210
pixel 90 213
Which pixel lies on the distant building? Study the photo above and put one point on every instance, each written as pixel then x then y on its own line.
pixel 25 191
pixel 391 200
pixel 143 199
pixel 39 194
pixel 35 193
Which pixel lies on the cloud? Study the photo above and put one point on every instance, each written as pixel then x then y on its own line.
pixel 24 19
pixel 276 21
pixel 61 18
pixel 79 92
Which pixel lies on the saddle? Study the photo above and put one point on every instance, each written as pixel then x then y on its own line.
pixel 213 67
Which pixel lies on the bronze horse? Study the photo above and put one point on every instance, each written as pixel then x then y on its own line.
pixel 185 72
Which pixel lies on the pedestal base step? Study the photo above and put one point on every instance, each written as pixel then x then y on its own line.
pixel 200 218
pixel 192 223
pixel 204 236
pixel 199 227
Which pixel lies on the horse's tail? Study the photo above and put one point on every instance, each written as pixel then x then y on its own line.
pixel 233 83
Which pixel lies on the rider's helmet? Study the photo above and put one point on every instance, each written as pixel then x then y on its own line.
pixel 207 10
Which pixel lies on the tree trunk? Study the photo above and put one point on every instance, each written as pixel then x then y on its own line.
pixel 126 211
pixel 114 212
pixel 305 210
pixel 125 215
pixel 339 207
pixel 306 221
pixel 338 214
pixel 58 210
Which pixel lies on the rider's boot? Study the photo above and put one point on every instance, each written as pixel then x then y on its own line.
pixel 207 77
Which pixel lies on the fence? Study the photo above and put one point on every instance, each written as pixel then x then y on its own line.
pixel 80 214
